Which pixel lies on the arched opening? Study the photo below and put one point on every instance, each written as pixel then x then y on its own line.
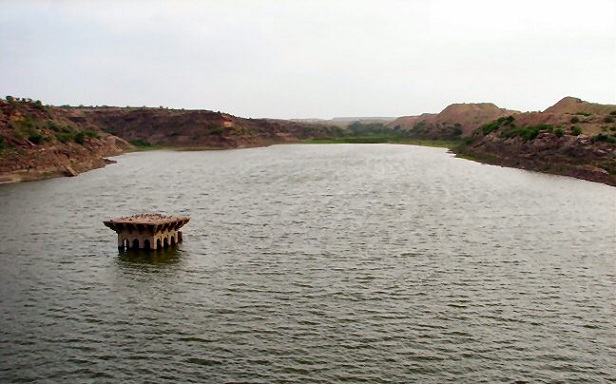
pixel 125 244
pixel 146 244
pixel 136 244
pixel 159 244
pixel 172 240
pixel 166 242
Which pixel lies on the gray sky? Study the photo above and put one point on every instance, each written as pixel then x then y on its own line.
pixel 300 59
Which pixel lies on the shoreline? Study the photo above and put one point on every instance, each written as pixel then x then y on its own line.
pixel 585 173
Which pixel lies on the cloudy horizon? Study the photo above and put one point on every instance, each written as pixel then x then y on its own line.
pixel 309 59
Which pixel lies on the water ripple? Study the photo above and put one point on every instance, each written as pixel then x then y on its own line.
pixel 320 264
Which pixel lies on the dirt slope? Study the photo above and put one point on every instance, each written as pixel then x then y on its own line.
pixel 573 138
pixel 194 128
pixel 573 105
pixel 38 142
pixel 455 120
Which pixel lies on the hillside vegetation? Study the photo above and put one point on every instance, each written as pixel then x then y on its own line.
pixel 561 149
pixel 37 141
pixel 573 137
pixel 194 128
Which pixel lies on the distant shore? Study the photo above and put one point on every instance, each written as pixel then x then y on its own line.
pixel 563 169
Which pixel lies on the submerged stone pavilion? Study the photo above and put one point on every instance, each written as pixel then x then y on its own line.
pixel 147 230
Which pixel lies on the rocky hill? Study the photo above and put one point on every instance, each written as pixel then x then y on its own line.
pixel 573 105
pixel 572 138
pixel 38 141
pixel 455 121
pixel 193 128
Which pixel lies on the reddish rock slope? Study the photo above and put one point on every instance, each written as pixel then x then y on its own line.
pixel 38 142
pixel 455 120
pixel 194 128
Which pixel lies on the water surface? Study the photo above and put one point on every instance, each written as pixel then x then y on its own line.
pixel 311 263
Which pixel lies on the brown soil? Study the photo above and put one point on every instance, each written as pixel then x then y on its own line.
pixel 569 155
pixel 194 128
pixel 574 105
pixel 38 142
pixel 468 116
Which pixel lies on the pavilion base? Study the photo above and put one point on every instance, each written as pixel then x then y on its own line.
pixel 150 231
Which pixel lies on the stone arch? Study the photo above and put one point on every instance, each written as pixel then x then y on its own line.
pixel 159 244
pixel 135 244
pixel 125 244
pixel 146 244
pixel 172 240
pixel 166 242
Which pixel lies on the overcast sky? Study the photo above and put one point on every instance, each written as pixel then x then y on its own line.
pixel 301 59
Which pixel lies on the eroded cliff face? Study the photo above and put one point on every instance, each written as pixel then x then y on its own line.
pixel 194 128
pixel 572 137
pixel 37 141
pixel 579 144
pixel 579 156
pixel 455 121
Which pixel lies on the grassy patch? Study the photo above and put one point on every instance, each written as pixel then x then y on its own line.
pixel 140 143
pixel 352 140
pixel 384 139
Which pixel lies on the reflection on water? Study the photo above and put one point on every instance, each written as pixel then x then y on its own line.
pixel 161 256
pixel 316 264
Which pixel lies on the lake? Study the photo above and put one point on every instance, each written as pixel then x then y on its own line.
pixel 311 264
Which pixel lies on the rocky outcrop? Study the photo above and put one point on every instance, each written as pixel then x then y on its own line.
pixel 573 105
pixel 194 128
pixel 37 142
pixel 546 148
pixel 456 120
pixel 573 137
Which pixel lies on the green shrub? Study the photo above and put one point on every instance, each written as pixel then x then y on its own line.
pixel 504 121
pixel 140 143
pixel 490 127
pixel 35 138
pixel 604 138
pixel 217 130
pixel 608 119
pixel 40 106
pixel 53 126
pixel 613 113
pixel 576 131
pixel 583 113
pixel 91 133
pixel 508 120
pixel 559 131
pixel 64 137
pixel 456 130
pixel 527 133
pixel 80 138
pixel 420 129
pixel 1 143
pixel 575 120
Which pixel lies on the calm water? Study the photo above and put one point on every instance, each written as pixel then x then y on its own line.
pixel 311 264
